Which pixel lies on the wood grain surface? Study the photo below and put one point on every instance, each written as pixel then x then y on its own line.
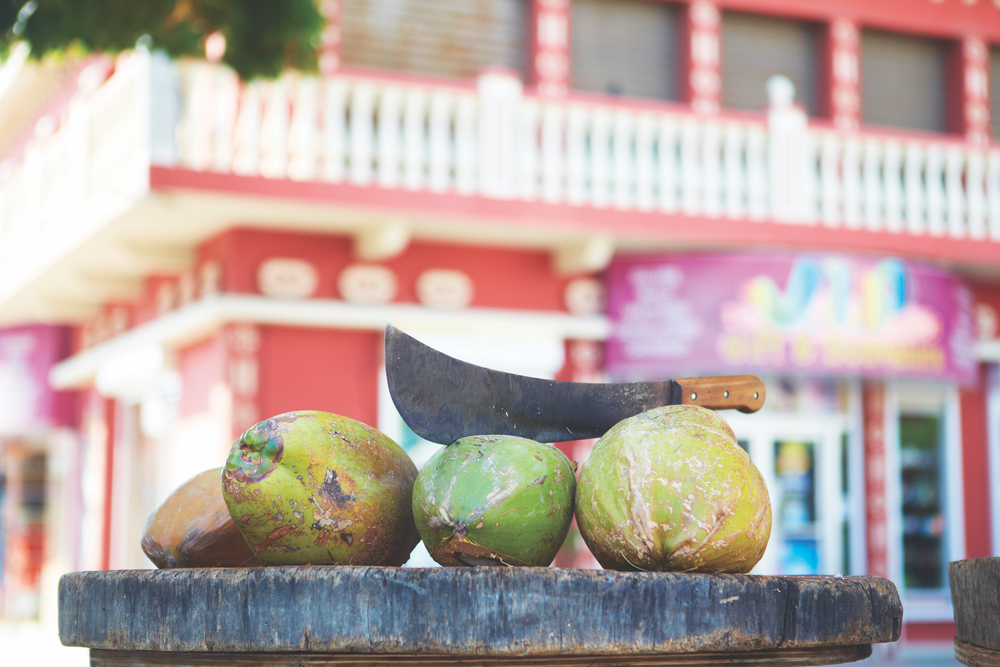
pixel 976 656
pixel 473 612
pixel 975 597
pixel 818 655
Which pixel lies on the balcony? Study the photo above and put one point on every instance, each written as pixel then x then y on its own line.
pixel 161 155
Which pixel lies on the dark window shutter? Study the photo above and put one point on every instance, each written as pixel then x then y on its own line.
pixel 625 47
pixel 903 81
pixel 452 38
pixel 755 48
pixel 994 92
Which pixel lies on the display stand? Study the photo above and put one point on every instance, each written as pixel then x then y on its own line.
pixel 471 616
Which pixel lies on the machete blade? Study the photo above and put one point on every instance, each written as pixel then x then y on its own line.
pixel 443 399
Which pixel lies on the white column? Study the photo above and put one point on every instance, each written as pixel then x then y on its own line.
pixel 500 102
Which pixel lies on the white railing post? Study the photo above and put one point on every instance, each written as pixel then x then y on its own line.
pixel 975 188
pixel 227 102
pixel 246 139
pixel 892 179
pixel 466 145
pixel 440 143
pixel 787 126
pixel 913 188
pixel 500 101
pixel 711 165
pixel 668 170
pixel 871 175
pixel 691 167
pixel 993 194
pixel 757 170
pixel 734 171
pixel 852 182
pixel 576 155
pixel 303 134
pixel 529 150
pixel 831 192
pixel 165 110
pixel 600 159
pixel 645 170
pixel 415 139
pixel 388 149
pixel 334 138
pixel 934 188
pixel 362 133
pixel 553 163
pixel 955 192
pixel 621 151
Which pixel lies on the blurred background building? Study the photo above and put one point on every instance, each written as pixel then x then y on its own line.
pixel 581 189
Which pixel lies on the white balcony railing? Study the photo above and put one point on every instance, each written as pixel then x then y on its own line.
pixel 490 138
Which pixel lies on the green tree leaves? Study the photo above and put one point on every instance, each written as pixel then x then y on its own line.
pixel 263 37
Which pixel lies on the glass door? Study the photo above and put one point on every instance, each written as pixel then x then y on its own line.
pixel 803 462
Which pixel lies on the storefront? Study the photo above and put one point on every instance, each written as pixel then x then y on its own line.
pixel 865 360
pixel 36 505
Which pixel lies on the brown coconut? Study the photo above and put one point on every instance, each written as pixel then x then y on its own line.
pixel 193 528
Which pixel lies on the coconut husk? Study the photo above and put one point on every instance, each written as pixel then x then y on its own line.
pixel 193 528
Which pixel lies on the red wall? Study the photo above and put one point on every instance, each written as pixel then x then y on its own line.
pixel 947 18
pixel 503 277
pixel 319 369
pixel 975 469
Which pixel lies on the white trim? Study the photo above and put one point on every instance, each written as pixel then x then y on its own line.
pixel 856 501
pixel 202 318
pixel 824 430
pixel 993 448
pixel 943 399
pixel 988 350
pixel 953 472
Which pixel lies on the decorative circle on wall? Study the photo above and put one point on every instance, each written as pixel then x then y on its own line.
pixel 444 288
pixel 584 296
pixel 367 283
pixel 287 278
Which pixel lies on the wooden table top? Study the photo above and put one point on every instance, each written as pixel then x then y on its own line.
pixel 479 616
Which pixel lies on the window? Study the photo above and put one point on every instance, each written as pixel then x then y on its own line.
pixel 921 462
pixel 755 48
pixel 903 81
pixel 454 38
pixel 625 47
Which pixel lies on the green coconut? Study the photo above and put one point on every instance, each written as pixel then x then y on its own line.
pixel 494 500
pixel 313 487
pixel 671 490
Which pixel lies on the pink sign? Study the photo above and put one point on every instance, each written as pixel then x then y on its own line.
pixel 27 401
pixel 812 313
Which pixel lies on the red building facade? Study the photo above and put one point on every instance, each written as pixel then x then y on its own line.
pixel 478 174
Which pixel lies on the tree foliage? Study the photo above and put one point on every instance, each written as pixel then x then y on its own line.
pixel 263 37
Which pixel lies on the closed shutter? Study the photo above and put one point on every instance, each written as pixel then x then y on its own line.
pixel 452 38
pixel 755 48
pixel 625 47
pixel 903 81
pixel 995 92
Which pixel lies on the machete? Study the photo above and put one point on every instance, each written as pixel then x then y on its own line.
pixel 443 399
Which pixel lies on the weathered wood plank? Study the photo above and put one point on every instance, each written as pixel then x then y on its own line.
pixel 975 596
pixel 819 655
pixel 485 612
pixel 976 656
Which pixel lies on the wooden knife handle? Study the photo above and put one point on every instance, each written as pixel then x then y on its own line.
pixel 739 392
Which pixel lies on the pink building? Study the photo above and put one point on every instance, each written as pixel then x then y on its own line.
pixel 579 189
